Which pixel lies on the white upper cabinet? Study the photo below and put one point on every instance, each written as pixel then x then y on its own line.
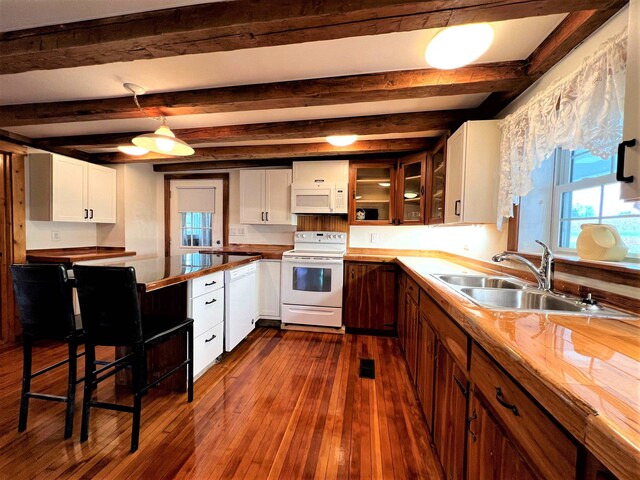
pixel 631 189
pixel 265 197
pixel 63 189
pixel 471 193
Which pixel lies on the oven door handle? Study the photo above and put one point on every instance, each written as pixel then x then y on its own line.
pixel 313 260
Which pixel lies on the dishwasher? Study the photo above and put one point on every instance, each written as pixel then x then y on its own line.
pixel 241 304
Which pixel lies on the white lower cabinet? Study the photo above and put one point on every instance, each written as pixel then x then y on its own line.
pixel 207 347
pixel 206 307
pixel 269 289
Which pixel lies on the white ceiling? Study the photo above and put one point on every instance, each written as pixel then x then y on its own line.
pixel 514 40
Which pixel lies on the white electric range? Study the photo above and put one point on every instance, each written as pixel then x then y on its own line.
pixel 312 278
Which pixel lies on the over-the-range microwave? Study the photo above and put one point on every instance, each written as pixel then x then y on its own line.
pixel 318 198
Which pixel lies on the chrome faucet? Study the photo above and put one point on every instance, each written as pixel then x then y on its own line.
pixel 544 274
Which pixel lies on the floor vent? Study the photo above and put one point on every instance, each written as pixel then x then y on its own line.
pixel 367 368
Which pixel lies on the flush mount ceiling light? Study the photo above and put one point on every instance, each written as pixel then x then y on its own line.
pixel 163 140
pixel 454 47
pixel 384 184
pixel 410 195
pixel 341 140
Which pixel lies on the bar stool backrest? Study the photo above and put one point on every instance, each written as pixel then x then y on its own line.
pixel 109 306
pixel 44 300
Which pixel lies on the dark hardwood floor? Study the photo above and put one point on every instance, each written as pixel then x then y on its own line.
pixel 283 405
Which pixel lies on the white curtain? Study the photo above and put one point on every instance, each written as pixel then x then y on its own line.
pixel 582 110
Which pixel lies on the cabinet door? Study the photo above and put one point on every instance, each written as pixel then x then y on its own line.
pixel 411 189
pixel 455 176
pixel 252 196
pixel 101 194
pixel 490 454
pixel 369 296
pixel 269 288
pixel 401 312
pixel 278 197
pixel 631 191
pixel 68 190
pixel 372 192
pixel 411 343
pixel 449 415
pixel 426 368
pixel 436 169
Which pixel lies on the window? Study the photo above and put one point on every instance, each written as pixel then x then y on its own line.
pixel 572 188
pixel 196 229
pixel 586 191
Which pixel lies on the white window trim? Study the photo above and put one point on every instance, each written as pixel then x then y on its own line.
pixel 196 247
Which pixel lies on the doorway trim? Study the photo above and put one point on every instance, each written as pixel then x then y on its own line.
pixel 195 176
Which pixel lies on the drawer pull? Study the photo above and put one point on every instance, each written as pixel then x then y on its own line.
pixel 462 388
pixel 212 282
pixel 210 301
pixel 506 405
pixel 473 416
pixel 209 339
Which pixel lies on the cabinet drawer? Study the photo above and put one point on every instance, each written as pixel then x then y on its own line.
pixel 550 451
pixel 207 347
pixel 411 287
pixel 206 284
pixel 207 310
pixel 451 336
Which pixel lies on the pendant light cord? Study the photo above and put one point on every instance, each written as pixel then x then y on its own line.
pixel 161 118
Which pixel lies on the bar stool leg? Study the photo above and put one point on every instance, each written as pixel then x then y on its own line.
pixel 89 359
pixel 71 388
pixel 139 376
pixel 26 383
pixel 190 364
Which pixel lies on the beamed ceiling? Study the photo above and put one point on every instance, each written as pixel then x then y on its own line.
pixel 251 83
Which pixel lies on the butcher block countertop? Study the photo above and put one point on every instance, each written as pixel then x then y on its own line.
pixel 69 256
pixel 585 371
pixel 158 272
pixel 267 252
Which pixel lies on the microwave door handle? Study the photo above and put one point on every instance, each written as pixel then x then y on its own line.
pixel 332 200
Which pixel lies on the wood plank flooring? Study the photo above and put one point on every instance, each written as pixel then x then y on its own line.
pixel 283 405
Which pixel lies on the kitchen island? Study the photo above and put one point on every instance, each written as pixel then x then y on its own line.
pixel 163 290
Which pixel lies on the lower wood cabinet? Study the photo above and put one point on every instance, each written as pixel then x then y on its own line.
pixel 450 413
pixel 426 368
pixel 401 317
pixel 369 296
pixel 411 335
pixel 490 453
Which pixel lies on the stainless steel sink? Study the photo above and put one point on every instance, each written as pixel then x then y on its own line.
pixel 481 281
pixel 521 300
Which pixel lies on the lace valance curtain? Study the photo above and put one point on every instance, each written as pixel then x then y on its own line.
pixel 582 110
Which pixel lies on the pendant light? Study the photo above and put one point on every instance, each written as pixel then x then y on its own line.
pixel 163 140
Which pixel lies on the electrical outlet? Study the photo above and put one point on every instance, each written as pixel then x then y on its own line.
pixel 465 247
pixel 55 236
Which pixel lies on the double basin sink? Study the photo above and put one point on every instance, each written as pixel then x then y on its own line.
pixel 505 293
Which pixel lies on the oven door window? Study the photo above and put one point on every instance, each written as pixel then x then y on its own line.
pixel 312 279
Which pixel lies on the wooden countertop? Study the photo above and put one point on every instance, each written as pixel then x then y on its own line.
pixel 158 272
pixel 69 256
pixel 584 370
pixel 268 252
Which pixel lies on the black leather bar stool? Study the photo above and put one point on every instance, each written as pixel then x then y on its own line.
pixel 111 316
pixel 45 306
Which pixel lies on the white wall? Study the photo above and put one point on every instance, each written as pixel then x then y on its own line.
pixel 477 241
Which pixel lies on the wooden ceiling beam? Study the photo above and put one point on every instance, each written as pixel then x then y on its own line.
pixel 225 26
pixel 570 33
pixel 261 152
pixel 365 125
pixel 494 77
pixel 17 139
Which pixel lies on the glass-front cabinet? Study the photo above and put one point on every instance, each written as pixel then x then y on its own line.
pixel 405 191
pixel 436 182
pixel 372 187
pixel 411 189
